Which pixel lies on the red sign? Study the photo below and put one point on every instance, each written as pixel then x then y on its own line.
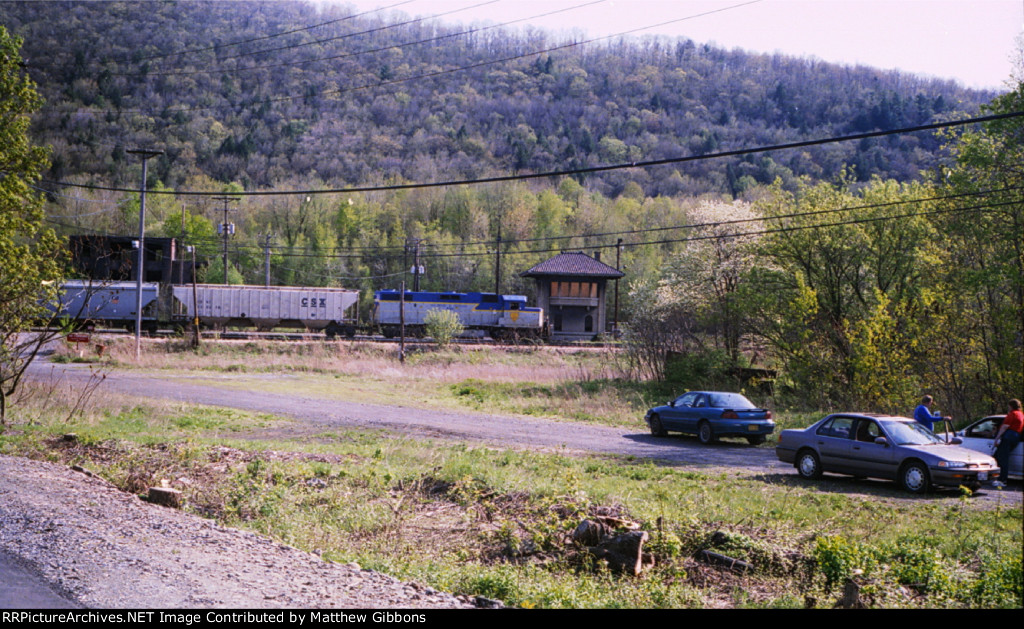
pixel 78 338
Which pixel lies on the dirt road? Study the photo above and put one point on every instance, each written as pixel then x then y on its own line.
pixel 319 414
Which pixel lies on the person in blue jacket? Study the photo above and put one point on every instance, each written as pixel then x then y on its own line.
pixel 924 415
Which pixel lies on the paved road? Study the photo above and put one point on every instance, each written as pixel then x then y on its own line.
pixel 20 588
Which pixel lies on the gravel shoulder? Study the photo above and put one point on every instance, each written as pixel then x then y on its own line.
pixel 104 548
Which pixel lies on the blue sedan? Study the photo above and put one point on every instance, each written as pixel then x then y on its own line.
pixel 710 415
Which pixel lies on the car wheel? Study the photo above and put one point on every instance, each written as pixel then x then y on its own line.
pixel 656 428
pixel 914 477
pixel 756 440
pixel 704 432
pixel 808 465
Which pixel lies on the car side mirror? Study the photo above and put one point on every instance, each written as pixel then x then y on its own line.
pixel 881 441
pixel 672 403
pixel 956 441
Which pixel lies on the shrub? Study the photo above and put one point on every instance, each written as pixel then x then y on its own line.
pixel 443 326
pixel 838 559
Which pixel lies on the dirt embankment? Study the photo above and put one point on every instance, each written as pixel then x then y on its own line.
pixel 105 548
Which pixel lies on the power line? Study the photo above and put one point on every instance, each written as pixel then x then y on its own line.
pixel 576 171
pixel 266 37
pixel 366 32
pixel 740 221
pixel 338 92
pixel 361 52
pixel 395 253
pixel 762 232
pixel 649 230
pixel 491 62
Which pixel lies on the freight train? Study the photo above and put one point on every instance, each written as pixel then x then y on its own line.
pixel 331 310
pixel 169 305
pixel 500 316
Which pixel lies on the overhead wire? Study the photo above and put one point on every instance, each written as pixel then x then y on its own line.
pixel 761 232
pixel 572 171
pixel 275 35
pixel 338 92
pixel 366 32
pixel 357 53
pixel 394 252
pixel 647 230
pixel 120 112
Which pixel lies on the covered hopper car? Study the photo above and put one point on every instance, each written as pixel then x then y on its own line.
pixel 113 304
pixel 269 307
pixel 262 307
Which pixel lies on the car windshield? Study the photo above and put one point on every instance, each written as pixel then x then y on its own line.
pixel 729 400
pixel 910 433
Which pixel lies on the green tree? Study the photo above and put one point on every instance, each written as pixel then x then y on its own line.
pixel 977 325
pixel 30 253
pixel 845 278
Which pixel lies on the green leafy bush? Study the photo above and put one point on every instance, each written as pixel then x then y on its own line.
pixel 443 326
pixel 839 558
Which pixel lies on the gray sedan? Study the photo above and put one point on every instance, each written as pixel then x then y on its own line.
pixel 882 446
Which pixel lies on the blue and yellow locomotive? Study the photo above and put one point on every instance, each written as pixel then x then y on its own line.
pixel 500 316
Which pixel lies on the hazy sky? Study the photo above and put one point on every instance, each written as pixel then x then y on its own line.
pixel 972 41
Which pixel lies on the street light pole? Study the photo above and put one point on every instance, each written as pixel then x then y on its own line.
pixel 139 268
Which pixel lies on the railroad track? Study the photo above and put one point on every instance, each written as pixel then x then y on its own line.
pixel 251 335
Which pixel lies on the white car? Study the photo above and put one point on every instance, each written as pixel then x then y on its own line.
pixel 980 436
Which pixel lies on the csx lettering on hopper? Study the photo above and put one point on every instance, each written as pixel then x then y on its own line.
pixel 164 305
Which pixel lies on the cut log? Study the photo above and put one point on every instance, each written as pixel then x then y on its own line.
pixel 716 559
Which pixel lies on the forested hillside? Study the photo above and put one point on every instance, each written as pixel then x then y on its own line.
pixel 365 101
pixel 863 272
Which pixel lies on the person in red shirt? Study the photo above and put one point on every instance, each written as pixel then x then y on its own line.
pixel 1007 439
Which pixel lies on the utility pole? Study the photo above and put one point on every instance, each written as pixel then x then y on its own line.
pixel 618 254
pixel 181 243
pixel 417 268
pixel 266 260
pixel 195 301
pixel 139 270
pixel 497 264
pixel 226 229
pixel 401 323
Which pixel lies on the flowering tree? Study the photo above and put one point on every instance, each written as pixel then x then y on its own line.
pixel 706 277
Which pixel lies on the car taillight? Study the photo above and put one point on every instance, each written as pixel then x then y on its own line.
pixel 730 415
pixel 767 414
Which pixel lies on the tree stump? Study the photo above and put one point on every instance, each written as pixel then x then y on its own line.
pixel 624 552
pixel 164 496
pixel 590 533
pixel 851 597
